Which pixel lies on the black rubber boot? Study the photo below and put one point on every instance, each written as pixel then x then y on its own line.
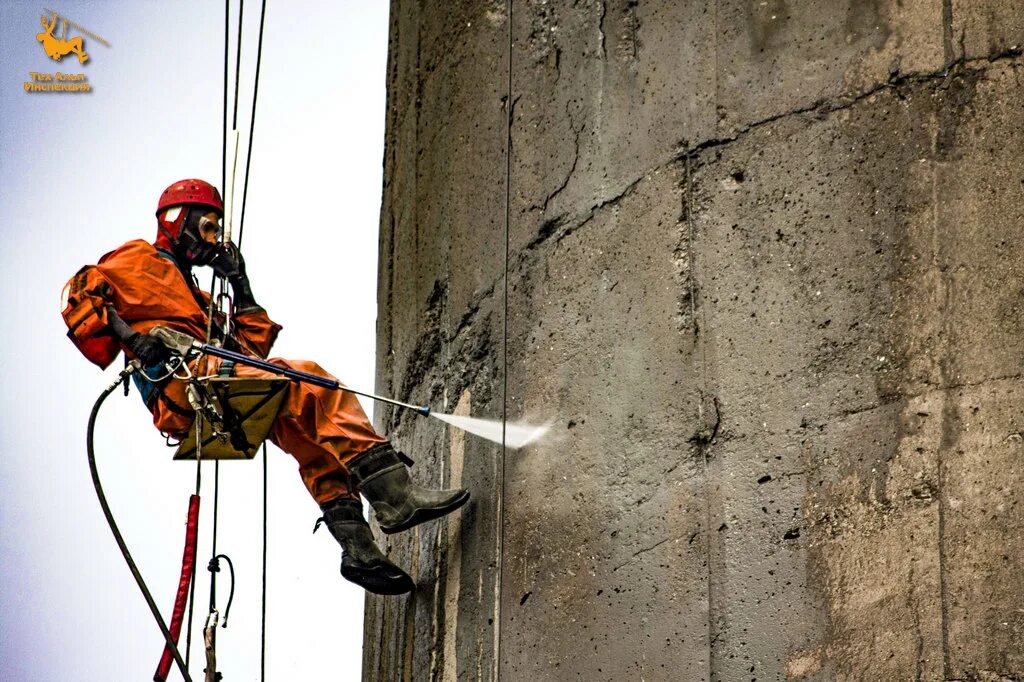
pixel 362 562
pixel 399 504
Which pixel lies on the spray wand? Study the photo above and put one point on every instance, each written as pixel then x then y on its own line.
pixel 510 435
pixel 297 375
pixel 183 343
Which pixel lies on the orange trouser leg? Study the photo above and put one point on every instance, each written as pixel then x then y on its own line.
pixel 322 429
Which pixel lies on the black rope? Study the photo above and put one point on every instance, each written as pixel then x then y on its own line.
pixel 213 552
pixel 263 608
pixel 504 349
pixel 238 60
pixel 252 123
pixel 213 297
pixel 214 567
pixel 224 115
pixel 213 301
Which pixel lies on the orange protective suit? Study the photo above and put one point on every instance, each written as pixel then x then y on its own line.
pixel 322 429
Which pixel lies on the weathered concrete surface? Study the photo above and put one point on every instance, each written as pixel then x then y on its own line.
pixel 445 161
pixel 763 269
pixel 614 498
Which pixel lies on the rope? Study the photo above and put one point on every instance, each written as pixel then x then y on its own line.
pixel 252 122
pixel 213 551
pixel 504 354
pixel 238 60
pixel 224 116
pixel 214 297
pixel 263 602
pixel 217 287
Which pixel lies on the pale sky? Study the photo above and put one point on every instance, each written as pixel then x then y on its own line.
pixel 80 175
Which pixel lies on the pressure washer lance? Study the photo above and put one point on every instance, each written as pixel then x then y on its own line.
pixel 183 343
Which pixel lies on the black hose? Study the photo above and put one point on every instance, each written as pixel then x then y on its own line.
pixel 214 567
pixel 113 526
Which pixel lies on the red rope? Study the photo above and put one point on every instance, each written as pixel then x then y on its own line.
pixel 188 563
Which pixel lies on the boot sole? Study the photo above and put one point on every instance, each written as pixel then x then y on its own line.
pixel 372 581
pixel 424 515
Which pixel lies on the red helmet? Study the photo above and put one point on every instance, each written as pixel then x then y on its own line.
pixel 183 193
pixel 191 191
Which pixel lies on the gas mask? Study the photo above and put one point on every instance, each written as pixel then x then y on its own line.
pixel 190 247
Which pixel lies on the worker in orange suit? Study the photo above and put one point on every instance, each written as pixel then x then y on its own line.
pixel 111 306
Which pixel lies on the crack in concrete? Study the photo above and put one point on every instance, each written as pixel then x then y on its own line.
pixel 575 162
pixel 563 226
pixel 843 414
pixel 642 551
pixel 822 107
pixel 556 226
pixel 515 101
pixel 560 227
pixel 826 105
pixel 467 318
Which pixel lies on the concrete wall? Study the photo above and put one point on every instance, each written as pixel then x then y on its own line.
pixel 764 266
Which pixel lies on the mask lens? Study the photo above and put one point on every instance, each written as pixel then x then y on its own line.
pixel 205 224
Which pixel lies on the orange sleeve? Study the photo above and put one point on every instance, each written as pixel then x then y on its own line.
pixel 85 298
pixel 256 331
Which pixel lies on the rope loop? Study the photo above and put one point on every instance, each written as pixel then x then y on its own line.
pixel 214 567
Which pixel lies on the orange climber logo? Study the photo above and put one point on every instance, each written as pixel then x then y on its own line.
pixel 56 48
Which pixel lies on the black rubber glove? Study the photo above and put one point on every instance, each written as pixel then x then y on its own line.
pixel 148 349
pixel 201 253
pixel 228 262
